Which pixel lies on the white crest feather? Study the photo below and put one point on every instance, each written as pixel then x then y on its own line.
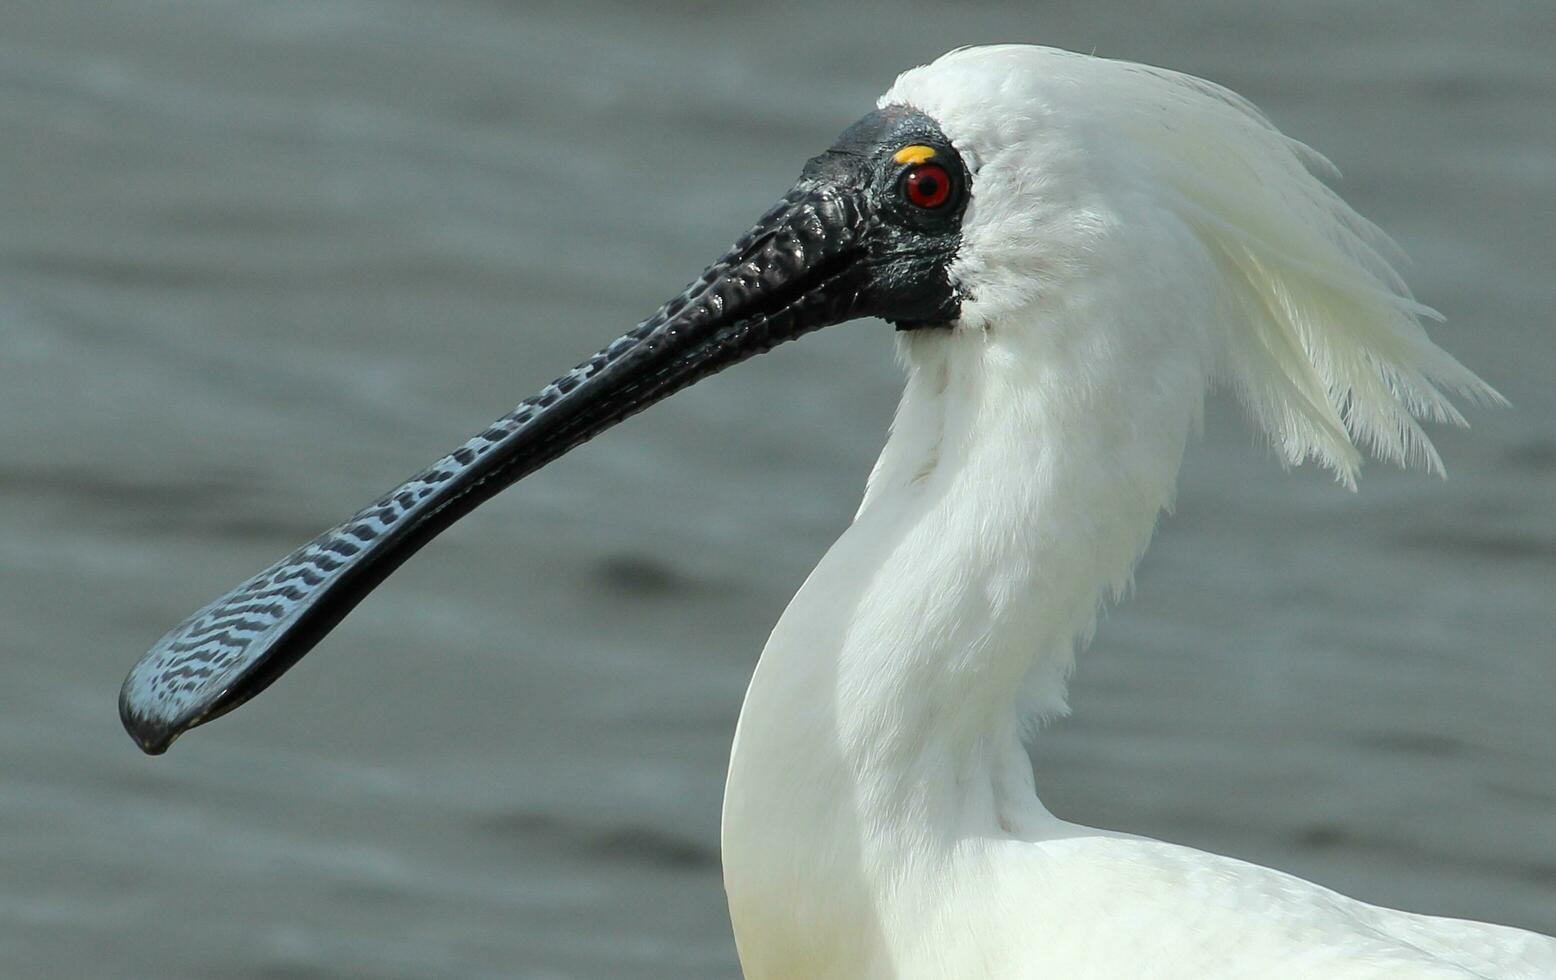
pixel 1324 345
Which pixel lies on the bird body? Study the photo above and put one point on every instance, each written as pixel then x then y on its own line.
pixel 1075 252
pixel 880 816
pixel 1096 905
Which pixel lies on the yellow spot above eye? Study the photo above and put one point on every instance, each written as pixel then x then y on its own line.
pixel 914 154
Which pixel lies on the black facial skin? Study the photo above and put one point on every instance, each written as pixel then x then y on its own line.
pixel 907 250
pixel 844 243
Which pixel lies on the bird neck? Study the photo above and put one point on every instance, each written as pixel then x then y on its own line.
pixel 1021 482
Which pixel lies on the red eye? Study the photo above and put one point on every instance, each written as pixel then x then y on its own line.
pixel 927 185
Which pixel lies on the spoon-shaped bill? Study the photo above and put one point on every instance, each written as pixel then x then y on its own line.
pixel 796 271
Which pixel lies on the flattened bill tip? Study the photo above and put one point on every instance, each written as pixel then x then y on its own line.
pixel 152 735
pixel 155 744
pixel 152 738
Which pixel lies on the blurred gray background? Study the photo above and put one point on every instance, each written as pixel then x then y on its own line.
pixel 259 261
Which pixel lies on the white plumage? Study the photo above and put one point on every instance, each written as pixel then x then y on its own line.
pixel 1134 237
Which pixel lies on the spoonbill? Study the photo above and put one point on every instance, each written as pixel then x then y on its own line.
pixel 1073 251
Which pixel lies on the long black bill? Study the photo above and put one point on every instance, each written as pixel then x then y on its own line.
pixel 796 271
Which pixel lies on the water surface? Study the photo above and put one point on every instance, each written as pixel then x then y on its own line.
pixel 260 261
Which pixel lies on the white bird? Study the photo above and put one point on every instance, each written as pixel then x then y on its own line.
pixel 1075 250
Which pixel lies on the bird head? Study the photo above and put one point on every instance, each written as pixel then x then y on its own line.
pixel 995 196
pixel 1131 209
